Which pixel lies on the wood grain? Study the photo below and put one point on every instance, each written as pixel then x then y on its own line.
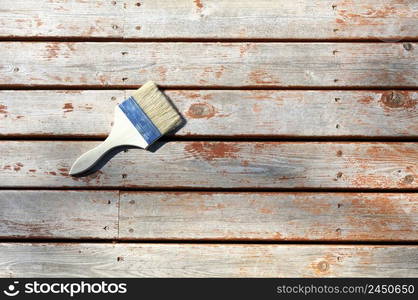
pixel 268 216
pixel 219 113
pixel 57 113
pixel 58 214
pixel 203 19
pixel 61 18
pixel 216 260
pixel 331 45
pixel 209 64
pixel 217 165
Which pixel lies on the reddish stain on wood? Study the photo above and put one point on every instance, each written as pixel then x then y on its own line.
pixel 194 95
pixel 201 110
pixel 90 31
pixel 102 79
pixel 162 71
pixel 32 170
pixel 217 71
pixel 70 46
pixel 51 173
pixel 366 100
pixel 3 109
pixel 256 108
pixel 265 210
pixel 69 92
pixel 52 50
pixel 199 4
pixel 370 16
pixel 7 167
pixel 261 77
pixel 38 22
pixel 261 146
pixel 277 236
pixel 397 99
pixel 218 74
pixel 61 8
pixel 383 206
pixel 83 79
pixel 96 177
pixel 86 106
pixel 64 171
pixel 311 206
pixel 212 151
pixel 366 180
pixel 68 107
pixel 17 166
pixel 244 49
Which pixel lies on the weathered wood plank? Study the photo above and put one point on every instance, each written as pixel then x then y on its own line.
pixel 59 214
pixel 180 260
pixel 217 165
pixel 58 113
pixel 220 113
pixel 61 18
pixel 187 19
pixel 209 64
pixel 269 216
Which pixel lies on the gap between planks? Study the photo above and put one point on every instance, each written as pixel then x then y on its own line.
pixel 217 138
pixel 411 39
pixel 215 189
pixel 99 241
pixel 19 87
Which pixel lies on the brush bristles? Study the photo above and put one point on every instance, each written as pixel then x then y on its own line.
pixel 156 106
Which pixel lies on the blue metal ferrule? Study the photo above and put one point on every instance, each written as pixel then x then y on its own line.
pixel 140 120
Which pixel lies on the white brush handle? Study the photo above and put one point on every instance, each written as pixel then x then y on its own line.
pixel 123 134
pixel 91 157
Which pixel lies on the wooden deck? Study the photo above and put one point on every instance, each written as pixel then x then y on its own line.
pixel 299 156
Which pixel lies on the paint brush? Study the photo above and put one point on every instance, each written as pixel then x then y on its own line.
pixel 139 121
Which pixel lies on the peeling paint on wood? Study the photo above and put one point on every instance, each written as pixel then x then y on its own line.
pixel 58 214
pixel 256 113
pixel 218 165
pixel 210 64
pixel 186 19
pixel 220 113
pixel 268 216
pixel 54 113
